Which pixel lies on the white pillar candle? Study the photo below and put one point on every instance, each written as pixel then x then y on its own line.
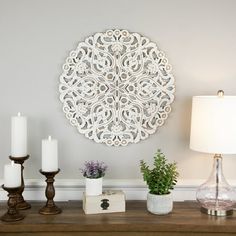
pixel 19 136
pixel 12 175
pixel 49 155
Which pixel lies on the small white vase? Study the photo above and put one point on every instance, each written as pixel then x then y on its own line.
pixel 159 204
pixel 93 187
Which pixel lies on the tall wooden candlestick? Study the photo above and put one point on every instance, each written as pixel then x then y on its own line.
pixel 12 214
pixel 50 208
pixel 21 203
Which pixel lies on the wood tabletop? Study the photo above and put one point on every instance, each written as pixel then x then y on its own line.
pixel 186 219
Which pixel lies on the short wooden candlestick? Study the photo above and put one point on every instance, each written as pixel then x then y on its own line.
pixel 21 203
pixel 50 208
pixel 12 214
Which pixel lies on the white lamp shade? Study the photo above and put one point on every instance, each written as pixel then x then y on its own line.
pixel 213 124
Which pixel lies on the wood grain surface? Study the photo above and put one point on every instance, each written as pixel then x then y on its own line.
pixel 186 219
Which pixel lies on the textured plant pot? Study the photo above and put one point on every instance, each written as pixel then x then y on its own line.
pixel 93 187
pixel 159 204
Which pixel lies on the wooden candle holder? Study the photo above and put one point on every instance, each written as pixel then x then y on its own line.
pixel 50 208
pixel 21 203
pixel 12 214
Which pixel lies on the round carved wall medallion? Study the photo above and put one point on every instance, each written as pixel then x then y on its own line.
pixel 117 87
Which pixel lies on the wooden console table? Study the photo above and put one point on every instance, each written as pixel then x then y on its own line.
pixel 185 219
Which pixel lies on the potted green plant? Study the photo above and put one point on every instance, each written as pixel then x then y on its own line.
pixel 93 171
pixel 160 180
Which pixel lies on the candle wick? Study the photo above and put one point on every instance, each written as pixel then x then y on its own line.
pixel 18 114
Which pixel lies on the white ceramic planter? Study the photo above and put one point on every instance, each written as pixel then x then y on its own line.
pixel 159 204
pixel 93 187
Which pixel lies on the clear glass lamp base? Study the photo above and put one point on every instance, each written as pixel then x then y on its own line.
pixel 217 211
pixel 216 196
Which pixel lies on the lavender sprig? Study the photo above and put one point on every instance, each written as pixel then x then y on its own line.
pixel 94 169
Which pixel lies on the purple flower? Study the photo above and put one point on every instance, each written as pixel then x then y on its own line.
pixel 94 169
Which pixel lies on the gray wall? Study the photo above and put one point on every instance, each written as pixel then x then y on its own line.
pixel 36 37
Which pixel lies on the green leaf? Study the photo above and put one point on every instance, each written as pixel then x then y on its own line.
pixel 163 177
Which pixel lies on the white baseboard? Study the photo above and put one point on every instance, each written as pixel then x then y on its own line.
pixel 135 189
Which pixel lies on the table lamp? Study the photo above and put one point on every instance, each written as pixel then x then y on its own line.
pixel 213 130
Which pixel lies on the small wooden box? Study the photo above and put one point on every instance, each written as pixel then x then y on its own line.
pixel 108 202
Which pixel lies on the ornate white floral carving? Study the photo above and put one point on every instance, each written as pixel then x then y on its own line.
pixel 117 87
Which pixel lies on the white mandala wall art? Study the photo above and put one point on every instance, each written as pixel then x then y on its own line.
pixel 117 87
